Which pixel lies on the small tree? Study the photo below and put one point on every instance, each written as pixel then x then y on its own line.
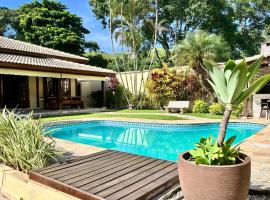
pixel 196 47
pixel 232 87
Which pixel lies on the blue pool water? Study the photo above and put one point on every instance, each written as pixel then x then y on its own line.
pixel 163 141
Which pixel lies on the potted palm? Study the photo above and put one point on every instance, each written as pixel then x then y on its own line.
pixel 216 169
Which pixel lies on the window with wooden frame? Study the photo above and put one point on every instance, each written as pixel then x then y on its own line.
pixel 66 84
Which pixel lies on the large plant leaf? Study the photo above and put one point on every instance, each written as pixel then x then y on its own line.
pixel 254 68
pixel 229 67
pixel 257 85
pixel 240 82
pixel 220 82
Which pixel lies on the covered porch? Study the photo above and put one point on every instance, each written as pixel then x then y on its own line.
pixel 25 90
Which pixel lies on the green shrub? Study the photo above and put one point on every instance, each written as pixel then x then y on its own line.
pixel 115 99
pixel 216 109
pixel 237 110
pixel 209 153
pixel 142 101
pixel 24 144
pixel 200 107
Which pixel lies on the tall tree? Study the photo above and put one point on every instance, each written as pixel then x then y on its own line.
pixel 48 23
pixel 7 21
pixel 240 22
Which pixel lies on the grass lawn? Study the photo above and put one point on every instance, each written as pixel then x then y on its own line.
pixel 140 111
pixel 204 115
pixel 110 115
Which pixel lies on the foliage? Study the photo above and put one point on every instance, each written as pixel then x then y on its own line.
pixel 230 83
pixel 142 101
pixel 48 23
pixel 97 59
pixel 216 109
pixel 209 153
pixel 197 46
pixel 230 86
pixel 200 45
pixel 24 144
pixel 171 84
pixel 7 21
pixel 240 22
pixel 237 110
pixel 200 106
pixel 115 95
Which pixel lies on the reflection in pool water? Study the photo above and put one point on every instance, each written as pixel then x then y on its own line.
pixel 154 140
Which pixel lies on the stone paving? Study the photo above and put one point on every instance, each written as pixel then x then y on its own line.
pixel 257 147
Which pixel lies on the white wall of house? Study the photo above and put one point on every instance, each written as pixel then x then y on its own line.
pixel 257 104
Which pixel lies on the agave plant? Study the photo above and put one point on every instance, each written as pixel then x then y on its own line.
pixel 232 85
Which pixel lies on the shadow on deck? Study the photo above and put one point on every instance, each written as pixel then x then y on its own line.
pixel 110 175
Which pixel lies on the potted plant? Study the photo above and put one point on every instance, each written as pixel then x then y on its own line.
pixel 216 169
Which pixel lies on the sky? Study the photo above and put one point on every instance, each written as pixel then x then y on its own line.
pixel 82 9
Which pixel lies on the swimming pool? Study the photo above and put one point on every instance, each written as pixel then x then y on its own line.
pixel 163 141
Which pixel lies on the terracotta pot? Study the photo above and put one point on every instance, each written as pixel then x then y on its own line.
pixel 206 182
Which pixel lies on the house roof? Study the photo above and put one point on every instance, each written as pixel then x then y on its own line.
pixel 8 45
pixel 26 56
pixel 50 64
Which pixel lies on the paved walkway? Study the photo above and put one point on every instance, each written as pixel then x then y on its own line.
pixel 257 147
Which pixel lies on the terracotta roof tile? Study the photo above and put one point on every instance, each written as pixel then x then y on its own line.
pixel 19 46
pixel 50 63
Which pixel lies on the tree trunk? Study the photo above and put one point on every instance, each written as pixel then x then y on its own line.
pixel 224 124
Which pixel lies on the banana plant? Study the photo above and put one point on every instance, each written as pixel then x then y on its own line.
pixel 232 85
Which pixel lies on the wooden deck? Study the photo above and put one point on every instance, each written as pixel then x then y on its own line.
pixel 110 175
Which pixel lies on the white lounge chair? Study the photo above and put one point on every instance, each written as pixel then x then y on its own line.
pixel 177 106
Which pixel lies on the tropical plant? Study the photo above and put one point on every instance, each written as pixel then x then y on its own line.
pixel 216 109
pixel 208 152
pixel 200 106
pixel 172 84
pixel 24 144
pixel 232 85
pixel 197 46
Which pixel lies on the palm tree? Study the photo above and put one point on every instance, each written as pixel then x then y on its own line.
pixel 196 47
pixel 232 86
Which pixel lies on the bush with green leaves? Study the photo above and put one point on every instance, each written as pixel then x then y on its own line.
pixel 237 110
pixel 208 152
pixel 24 144
pixel 200 106
pixel 216 109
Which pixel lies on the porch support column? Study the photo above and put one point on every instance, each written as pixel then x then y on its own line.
pixel 59 94
pixel 103 88
pixel 1 92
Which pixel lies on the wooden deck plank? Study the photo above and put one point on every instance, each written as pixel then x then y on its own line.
pixel 109 181
pixel 124 192
pixel 73 160
pixel 107 173
pixel 118 164
pixel 69 164
pixel 111 175
pixel 82 172
pixel 77 169
pixel 129 182
pixel 161 184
